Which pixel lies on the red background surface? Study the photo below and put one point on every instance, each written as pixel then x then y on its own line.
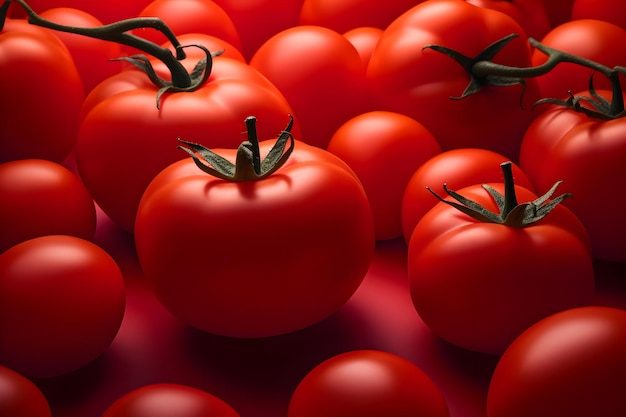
pixel 257 376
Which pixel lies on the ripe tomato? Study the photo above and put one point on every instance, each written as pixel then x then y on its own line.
pixel 384 149
pixel 165 400
pixel 367 383
pixel 124 140
pixel 190 16
pixel 320 74
pixel 278 254
pixel 19 397
pixel 583 151
pixel 41 197
pixel 612 11
pixel 419 83
pixel 530 14
pixel 45 92
pixel 107 12
pixel 91 56
pixel 558 11
pixel 364 39
pixel 62 301
pixel 478 285
pixel 257 21
pixel 458 168
pixel 344 15
pixel 602 42
pixel 569 364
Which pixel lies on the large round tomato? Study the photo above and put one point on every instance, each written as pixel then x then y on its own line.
pixel 569 364
pixel 457 168
pixel 384 149
pixel 20 397
pixel 41 197
pixel 420 83
pixel 42 93
pixel 124 140
pixel 62 300
pixel 367 383
pixel 587 154
pixel 259 257
pixel 596 40
pixel 321 75
pixel 166 400
pixel 478 285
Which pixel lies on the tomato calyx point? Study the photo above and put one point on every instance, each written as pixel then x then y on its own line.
pixel 511 213
pixel 117 32
pixel 483 72
pixel 248 165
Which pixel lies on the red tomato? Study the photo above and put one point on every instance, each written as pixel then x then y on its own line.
pixel 65 300
pixel 612 11
pixel 457 168
pixel 569 364
pixel 530 14
pixel 558 11
pixel 602 42
pixel 585 153
pixel 19 397
pixel 289 249
pixel 124 140
pixel 257 21
pixel 367 383
pixel 190 16
pixel 45 92
pixel 91 56
pixel 41 197
pixel 349 14
pixel 107 12
pixel 364 39
pixel 166 400
pixel 419 83
pixel 212 43
pixel 479 285
pixel 320 73
pixel 384 149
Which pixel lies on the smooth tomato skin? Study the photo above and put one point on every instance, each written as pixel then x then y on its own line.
pixel 20 397
pixel 384 149
pixel 479 285
pixel 458 168
pixel 321 75
pixel 40 80
pixel 92 56
pixel 565 145
pixel 367 383
pixel 612 11
pixel 419 83
pixel 364 39
pixel 165 400
pixel 41 197
pixel 530 14
pixel 344 15
pixel 107 12
pixel 62 300
pixel 599 41
pixel 571 364
pixel 257 21
pixel 190 16
pixel 124 140
pixel 277 255
pixel 558 11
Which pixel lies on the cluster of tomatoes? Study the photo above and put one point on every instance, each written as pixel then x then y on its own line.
pixel 316 129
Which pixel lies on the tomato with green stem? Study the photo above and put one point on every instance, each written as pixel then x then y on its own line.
pixel 479 278
pixel 247 246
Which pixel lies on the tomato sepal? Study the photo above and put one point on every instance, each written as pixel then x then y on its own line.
pixel 511 213
pixel 248 165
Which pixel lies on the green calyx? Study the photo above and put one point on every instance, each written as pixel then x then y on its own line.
pixel 248 165
pixel 510 212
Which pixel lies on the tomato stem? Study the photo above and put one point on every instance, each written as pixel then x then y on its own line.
pixel 484 72
pixel 181 80
pixel 511 213
pixel 248 165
